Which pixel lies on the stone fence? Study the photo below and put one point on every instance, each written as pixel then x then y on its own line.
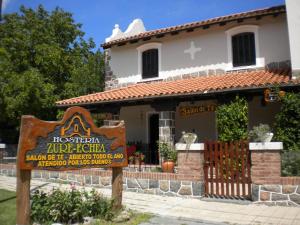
pixel 169 184
pixel 268 186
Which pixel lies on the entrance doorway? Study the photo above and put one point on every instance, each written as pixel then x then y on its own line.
pixel 153 134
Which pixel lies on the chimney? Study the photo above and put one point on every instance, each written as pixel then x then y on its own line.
pixel 293 19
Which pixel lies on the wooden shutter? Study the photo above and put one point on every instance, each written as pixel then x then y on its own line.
pixel 243 49
pixel 150 63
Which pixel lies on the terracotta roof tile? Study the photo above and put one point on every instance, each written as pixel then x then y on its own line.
pixel 244 15
pixel 200 85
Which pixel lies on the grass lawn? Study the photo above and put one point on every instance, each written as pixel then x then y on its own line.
pixel 136 219
pixel 8 212
pixel 7 207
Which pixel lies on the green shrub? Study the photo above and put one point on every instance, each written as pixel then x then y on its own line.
pixel 287 130
pixel 167 151
pixel 69 206
pixel 232 120
pixel 290 163
pixel 287 123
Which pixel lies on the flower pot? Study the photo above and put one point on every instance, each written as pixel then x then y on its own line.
pixel 267 137
pixel 168 166
pixel 137 161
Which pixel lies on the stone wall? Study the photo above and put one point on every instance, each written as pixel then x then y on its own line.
pixel 266 166
pixel 268 187
pixel 283 195
pixel 112 82
pixel 149 183
pixel 167 126
pixel 190 163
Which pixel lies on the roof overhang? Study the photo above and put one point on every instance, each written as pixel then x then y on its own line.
pixel 192 88
pixel 205 24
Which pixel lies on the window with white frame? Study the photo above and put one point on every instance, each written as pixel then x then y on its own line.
pixel 149 60
pixel 243 48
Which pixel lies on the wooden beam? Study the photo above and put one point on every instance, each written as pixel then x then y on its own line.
pixel 174 33
pixel 240 20
pixel 117 187
pixel 205 27
pixel 121 44
pixel 23 185
pixel 23 196
pixel 160 35
pixel 133 41
pixel 146 38
pixel 222 23
pixel 190 30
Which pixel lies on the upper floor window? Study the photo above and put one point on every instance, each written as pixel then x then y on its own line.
pixel 149 60
pixel 150 63
pixel 243 49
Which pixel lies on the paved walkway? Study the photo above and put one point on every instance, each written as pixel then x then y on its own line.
pixel 179 211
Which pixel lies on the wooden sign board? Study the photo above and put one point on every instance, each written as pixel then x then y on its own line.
pixel 72 143
pixel 191 110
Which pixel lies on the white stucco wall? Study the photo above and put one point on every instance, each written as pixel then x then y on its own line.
pixel 203 124
pixel 136 122
pixel 272 38
pixel 262 113
pixel 293 16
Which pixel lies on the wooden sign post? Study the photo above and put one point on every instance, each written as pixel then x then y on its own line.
pixel 72 143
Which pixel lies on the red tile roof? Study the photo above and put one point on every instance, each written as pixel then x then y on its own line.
pixel 190 86
pixel 233 17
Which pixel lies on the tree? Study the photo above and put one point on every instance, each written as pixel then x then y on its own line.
pixel 43 58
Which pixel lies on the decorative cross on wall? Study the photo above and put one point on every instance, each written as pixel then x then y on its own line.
pixel 192 50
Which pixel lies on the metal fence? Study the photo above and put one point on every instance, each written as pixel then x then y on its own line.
pixel 8 154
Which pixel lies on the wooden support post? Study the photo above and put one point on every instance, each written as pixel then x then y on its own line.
pixel 117 186
pixel 23 196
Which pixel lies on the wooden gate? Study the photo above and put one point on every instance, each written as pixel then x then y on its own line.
pixel 227 169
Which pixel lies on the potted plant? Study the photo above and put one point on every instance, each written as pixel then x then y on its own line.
pixel 261 133
pixel 169 155
pixel 131 160
pixel 142 158
pixel 137 157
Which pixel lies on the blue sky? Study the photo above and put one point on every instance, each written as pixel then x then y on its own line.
pixel 99 16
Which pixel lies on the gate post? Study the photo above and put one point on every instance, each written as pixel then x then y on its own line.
pixel 117 187
pixel 266 165
pixel 191 161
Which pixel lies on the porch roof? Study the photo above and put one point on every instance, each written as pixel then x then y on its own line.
pixel 200 85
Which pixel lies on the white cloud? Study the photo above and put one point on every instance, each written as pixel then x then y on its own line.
pixel 5 3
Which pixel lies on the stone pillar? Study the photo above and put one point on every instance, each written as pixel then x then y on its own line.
pixel 167 126
pixel 266 162
pixel 111 81
pixel 190 162
pixel 265 167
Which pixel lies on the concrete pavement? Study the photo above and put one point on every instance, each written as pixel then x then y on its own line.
pixel 175 210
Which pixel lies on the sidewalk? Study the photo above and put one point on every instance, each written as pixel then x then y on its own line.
pixel 188 211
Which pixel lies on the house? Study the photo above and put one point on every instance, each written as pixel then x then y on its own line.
pixel 166 81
